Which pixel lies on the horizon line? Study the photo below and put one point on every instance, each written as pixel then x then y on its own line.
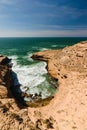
pixel 43 37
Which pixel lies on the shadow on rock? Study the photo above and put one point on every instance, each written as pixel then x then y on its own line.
pixel 17 92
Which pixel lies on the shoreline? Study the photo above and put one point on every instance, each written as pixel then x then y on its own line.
pixel 67 110
pixel 69 66
pixel 22 97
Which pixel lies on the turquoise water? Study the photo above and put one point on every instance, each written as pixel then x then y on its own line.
pixel 25 46
pixel 31 74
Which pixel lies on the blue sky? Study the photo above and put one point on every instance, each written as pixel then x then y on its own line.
pixel 37 18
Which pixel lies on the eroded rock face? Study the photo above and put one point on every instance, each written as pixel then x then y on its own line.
pixel 5 78
pixel 67 110
pixel 69 66
pixel 60 62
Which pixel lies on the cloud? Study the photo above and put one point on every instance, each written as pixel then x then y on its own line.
pixel 74 27
pixel 44 4
pixel 46 33
pixel 45 19
pixel 59 11
pixel 73 12
pixel 68 12
pixel 60 27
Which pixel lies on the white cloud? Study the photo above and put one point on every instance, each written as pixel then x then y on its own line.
pixel 61 27
pixel 47 33
pixel 74 27
pixel 59 11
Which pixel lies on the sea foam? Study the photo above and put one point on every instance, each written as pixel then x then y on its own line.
pixel 31 78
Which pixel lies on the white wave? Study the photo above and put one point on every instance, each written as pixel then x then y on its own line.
pixel 43 49
pixel 29 56
pixel 14 59
pixel 43 88
pixel 59 45
pixel 54 46
pixel 35 47
pixel 29 76
pixel 12 49
pixel 62 45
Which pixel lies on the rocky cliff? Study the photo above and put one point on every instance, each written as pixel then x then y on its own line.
pixel 6 80
pixel 67 110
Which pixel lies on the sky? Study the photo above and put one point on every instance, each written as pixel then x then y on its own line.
pixel 43 18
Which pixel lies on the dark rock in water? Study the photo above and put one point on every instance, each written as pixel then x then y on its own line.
pixel 5 61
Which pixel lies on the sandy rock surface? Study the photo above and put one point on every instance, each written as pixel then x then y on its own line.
pixel 67 110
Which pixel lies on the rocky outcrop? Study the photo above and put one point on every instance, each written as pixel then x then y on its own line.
pixel 60 62
pixel 6 80
pixel 67 110
pixel 69 66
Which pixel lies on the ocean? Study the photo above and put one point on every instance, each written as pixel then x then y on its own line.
pixel 32 75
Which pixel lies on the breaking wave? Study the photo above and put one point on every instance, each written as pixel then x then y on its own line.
pixel 32 78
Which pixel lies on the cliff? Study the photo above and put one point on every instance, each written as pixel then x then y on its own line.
pixel 67 110
pixel 5 78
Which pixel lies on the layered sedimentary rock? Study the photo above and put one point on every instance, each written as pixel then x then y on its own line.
pixel 67 110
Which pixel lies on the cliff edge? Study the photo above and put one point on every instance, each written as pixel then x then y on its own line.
pixel 69 66
pixel 67 110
